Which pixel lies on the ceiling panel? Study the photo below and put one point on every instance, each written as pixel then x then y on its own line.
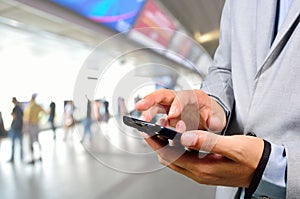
pixel 23 16
pixel 4 6
pixel 201 16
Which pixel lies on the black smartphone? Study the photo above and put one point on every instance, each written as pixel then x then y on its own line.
pixel 151 129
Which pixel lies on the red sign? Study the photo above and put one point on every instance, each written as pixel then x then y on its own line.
pixel 155 24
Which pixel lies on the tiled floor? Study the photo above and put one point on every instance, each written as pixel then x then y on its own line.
pixel 113 165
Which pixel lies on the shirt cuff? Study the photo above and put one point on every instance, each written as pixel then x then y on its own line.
pixel 273 183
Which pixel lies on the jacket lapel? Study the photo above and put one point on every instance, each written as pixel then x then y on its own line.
pixel 287 28
pixel 288 22
pixel 266 11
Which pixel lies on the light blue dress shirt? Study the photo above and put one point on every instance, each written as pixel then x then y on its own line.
pixel 284 8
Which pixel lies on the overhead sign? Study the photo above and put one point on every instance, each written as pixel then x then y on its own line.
pixel 116 14
pixel 155 24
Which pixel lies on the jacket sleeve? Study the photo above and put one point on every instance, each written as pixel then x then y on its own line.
pixel 218 82
pixel 293 172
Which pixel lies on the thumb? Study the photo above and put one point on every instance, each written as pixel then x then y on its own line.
pixel 200 140
pixel 235 147
pixel 215 124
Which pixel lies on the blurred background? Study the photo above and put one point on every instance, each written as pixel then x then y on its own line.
pixel 101 56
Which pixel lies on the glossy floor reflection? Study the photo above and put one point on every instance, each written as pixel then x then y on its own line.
pixel 111 166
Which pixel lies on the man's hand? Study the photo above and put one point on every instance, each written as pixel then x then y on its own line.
pixel 194 107
pixel 231 162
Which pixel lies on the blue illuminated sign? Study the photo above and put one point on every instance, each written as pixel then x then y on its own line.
pixel 116 14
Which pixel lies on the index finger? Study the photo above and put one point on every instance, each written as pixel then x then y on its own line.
pixel 162 97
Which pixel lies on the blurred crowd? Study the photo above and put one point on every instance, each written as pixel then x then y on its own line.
pixel 26 118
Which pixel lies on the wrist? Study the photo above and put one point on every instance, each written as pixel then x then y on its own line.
pixel 258 173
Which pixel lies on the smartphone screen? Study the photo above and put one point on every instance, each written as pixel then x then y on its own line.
pixel 151 129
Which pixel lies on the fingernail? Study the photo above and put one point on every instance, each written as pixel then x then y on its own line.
pixel 142 118
pixel 215 124
pixel 140 103
pixel 189 139
pixel 180 126
pixel 172 111
pixel 162 122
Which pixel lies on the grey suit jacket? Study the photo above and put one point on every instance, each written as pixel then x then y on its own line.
pixel 259 81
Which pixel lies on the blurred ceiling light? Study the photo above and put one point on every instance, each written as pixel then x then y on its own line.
pixel 207 37
pixel 10 22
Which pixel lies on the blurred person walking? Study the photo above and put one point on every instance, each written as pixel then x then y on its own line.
pixel 122 109
pixel 51 118
pixel 3 132
pixel 32 118
pixel 87 122
pixel 16 129
pixel 69 121
pixel 105 111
